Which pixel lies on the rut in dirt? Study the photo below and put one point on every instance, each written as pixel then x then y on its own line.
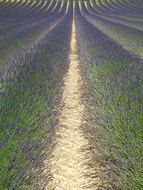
pixel 71 163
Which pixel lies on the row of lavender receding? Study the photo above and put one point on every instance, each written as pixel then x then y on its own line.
pixel 26 34
pixel 114 79
pixel 29 93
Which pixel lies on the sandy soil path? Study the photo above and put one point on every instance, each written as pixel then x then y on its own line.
pixel 71 152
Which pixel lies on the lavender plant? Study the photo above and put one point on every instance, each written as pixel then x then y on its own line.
pixel 28 94
pixel 113 77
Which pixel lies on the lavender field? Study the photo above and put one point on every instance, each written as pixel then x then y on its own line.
pixel 71 94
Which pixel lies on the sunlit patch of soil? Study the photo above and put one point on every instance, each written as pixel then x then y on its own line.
pixel 71 153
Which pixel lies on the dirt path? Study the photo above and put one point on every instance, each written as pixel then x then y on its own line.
pixel 71 153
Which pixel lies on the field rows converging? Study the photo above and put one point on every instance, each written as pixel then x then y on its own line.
pixel 71 95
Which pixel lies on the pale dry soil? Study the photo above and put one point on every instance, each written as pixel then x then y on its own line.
pixel 71 160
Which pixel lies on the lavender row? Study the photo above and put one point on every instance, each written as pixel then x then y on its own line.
pixel 114 80
pixel 133 23
pixel 26 39
pixel 131 39
pixel 27 118
pixel 20 22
